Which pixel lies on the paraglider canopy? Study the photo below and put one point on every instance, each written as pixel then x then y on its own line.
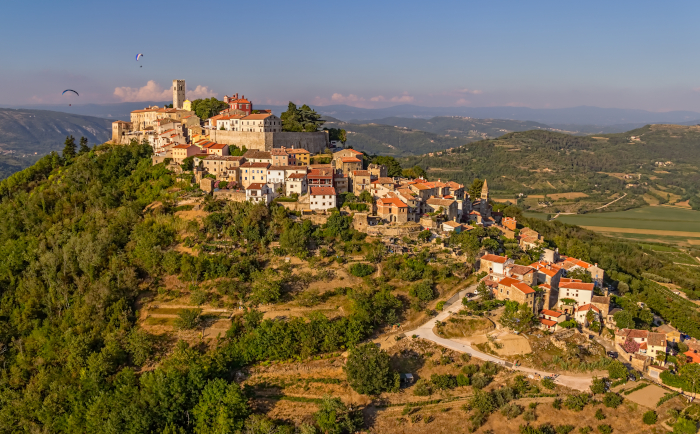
pixel 70 90
pixel 138 56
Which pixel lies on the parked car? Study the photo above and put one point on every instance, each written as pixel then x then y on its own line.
pixel 612 354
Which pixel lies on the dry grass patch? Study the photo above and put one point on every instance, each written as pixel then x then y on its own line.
pixel 458 327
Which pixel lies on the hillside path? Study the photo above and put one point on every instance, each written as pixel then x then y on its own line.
pixel 425 331
pixel 610 203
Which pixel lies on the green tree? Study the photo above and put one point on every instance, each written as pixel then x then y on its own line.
pixel 624 320
pixel 598 386
pixel 221 409
pixel 684 426
pixel 208 107
pixel 691 374
pixel 297 119
pixel 393 168
pixel 188 319
pixel 69 148
pixel 187 163
pixel 617 370
pixel 475 189
pixel 333 417
pixel 612 400
pixel 369 372
pixel 84 149
pixel 517 317
pixel 650 417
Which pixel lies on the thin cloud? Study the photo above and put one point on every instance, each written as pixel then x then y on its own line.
pixel 403 98
pixel 472 91
pixel 462 101
pixel 153 91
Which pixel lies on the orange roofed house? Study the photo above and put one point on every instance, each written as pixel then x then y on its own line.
pixel 494 264
pixel 392 210
pixel 515 290
pixel 322 198
pixel 550 319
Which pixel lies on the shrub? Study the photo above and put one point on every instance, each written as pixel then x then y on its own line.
pixel 422 290
pixel 585 430
pixel 359 269
pixel 557 403
pixel 440 306
pixel 470 369
pixel 466 357
pixel 684 426
pixel 598 387
pixel 188 319
pixel 422 388
pixel 605 429
pixel 489 368
pixel 511 410
pixel 650 417
pixel 462 380
pixel 617 370
pixel 576 402
pixel 599 414
pixel 548 383
pixel 198 297
pixel 564 429
pixel 533 405
pixel 529 416
pixel 612 400
pixel 479 381
pixel 443 382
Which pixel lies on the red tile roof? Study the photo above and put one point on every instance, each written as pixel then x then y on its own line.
pixel 588 307
pixel 548 322
pixel 350 160
pixel 508 281
pixel 577 285
pixel 361 172
pixel 316 191
pixel 553 313
pixel 523 287
pixel 257 117
pixel 495 258
pixel 257 165
pixel 255 186
pixel 391 201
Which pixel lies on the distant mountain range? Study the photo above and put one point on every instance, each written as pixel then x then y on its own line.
pixel 582 120
pixel 26 135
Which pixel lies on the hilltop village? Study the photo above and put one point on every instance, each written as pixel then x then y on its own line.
pixel 307 173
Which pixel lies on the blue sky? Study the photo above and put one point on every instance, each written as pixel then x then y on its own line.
pixel 628 54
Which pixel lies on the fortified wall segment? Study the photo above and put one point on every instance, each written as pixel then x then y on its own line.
pixel 312 142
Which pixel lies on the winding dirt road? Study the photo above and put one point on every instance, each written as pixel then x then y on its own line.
pixel 425 331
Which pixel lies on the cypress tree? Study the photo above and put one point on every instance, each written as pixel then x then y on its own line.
pixel 69 148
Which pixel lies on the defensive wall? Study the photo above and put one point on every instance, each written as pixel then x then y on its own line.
pixel 312 142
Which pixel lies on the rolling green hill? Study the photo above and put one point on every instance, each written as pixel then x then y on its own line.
pixel 660 165
pixel 397 136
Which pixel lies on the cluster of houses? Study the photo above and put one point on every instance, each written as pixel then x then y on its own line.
pixel 560 298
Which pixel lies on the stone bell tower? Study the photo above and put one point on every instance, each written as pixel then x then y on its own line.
pixel 178 93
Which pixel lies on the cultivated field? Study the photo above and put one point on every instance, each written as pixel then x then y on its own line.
pixel 658 223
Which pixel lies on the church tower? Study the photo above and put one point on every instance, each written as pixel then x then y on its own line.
pixel 485 208
pixel 178 93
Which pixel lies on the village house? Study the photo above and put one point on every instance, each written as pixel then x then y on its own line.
pixel 377 170
pixel 322 198
pixel 494 264
pixel 446 207
pixel 510 223
pixel 672 335
pixel 280 157
pixel 581 316
pixel 550 319
pixel 602 303
pixel 261 123
pixel 515 290
pixel 392 210
pixel 547 274
pixel 255 156
pixel 581 294
pixel 180 152
pixel 301 156
pixel 221 166
pixel 296 183
pixel 361 181
pixel 451 226
pixel 253 173
pixel 521 272
pixel 259 192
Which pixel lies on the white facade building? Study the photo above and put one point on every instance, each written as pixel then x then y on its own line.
pixel 322 198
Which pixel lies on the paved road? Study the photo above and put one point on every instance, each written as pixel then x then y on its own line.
pixel 426 332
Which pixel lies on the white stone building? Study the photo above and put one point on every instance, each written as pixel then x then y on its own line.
pixel 322 198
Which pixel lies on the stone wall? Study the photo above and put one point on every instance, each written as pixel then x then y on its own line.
pixel 312 142
pixel 232 195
